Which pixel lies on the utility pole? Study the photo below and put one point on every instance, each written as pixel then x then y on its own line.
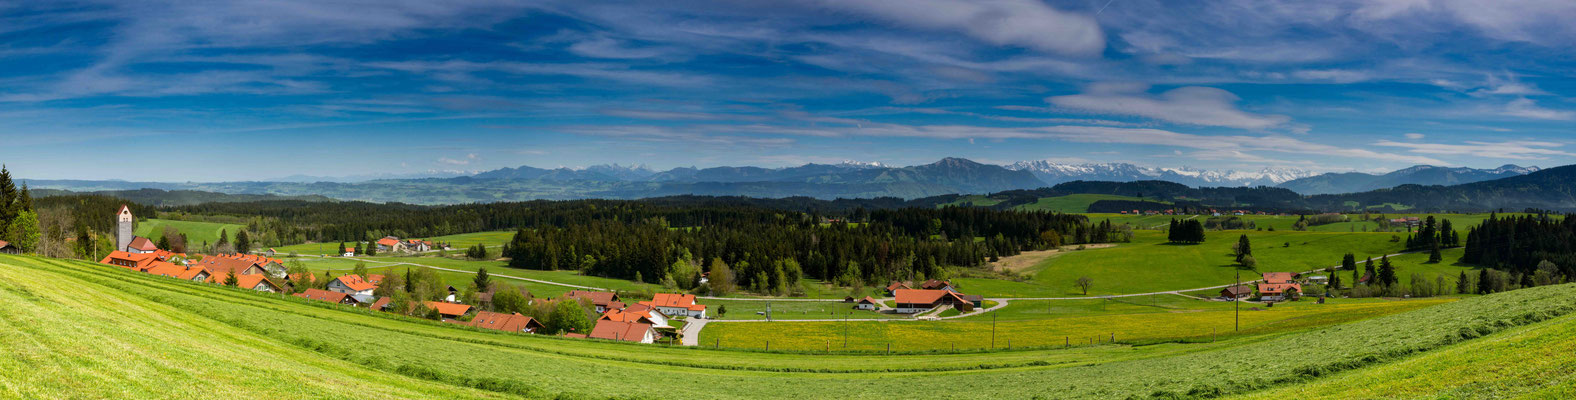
pixel 1236 299
pixel 993 331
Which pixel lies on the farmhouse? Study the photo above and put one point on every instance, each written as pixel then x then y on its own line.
pixel 139 262
pixel 449 310
pixel 868 303
pixel 602 300
pixel 639 311
pixel 1279 291
pixel 324 295
pixel 390 243
pixel 351 284
pixel 911 301
pixel 7 248
pixel 220 265
pixel 677 305
pixel 505 322
pixel 1279 277
pixel 892 288
pixel 936 285
pixel 141 245
pixel 625 331
pixel 1236 292
pixel 417 245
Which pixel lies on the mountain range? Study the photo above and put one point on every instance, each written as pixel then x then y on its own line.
pixel 824 181
pixel 1353 182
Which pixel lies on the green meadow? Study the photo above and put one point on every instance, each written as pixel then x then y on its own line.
pixel 197 233
pixel 1074 203
pixel 75 345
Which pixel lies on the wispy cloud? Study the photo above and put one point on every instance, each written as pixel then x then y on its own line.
pixel 1527 108
pixel 1516 150
pixel 1191 105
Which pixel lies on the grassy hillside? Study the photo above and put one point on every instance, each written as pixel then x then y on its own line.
pixel 272 346
pixel 1073 203
pixel 196 232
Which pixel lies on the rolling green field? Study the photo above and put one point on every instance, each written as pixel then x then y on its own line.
pixel 272 346
pixel 1150 264
pixel 976 332
pixel 197 233
pixel 459 242
pixel 792 310
pixel 1074 203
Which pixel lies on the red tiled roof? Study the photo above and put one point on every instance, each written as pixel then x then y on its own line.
pixel 921 296
pixel 627 316
pixel 449 308
pixel 3 244
pixel 626 331
pixel 867 299
pixel 1278 277
pixel 142 243
pixel 897 285
pixel 221 265
pixel 388 241
pixel 355 283
pixel 505 322
pixel 253 281
pixel 382 302
pixel 136 261
pixel 323 295
pixel 934 284
pixel 1273 289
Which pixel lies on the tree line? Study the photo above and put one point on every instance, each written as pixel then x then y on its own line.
pixel 1524 245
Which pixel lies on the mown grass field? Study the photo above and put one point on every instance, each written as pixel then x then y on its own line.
pixel 1056 330
pixel 791 310
pixel 1150 264
pixel 273 346
pixel 1531 362
pixel 197 233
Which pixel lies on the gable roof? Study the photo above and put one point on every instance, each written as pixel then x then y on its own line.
pixel 448 308
pixel 382 302
pixel 626 331
pixel 142 243
pixel 222 265
pixel 354 282
pixel 1278 277
pixel 1277 288
pixel 1238 290
pixel 136 261
pixel 868 300
pixel 626 316
pixel 388 241
pixel 922 296
pixel 934 284
pixel 4 244
pixel 253 281
pixel 895 285
pixel 504 322
pixel 323 295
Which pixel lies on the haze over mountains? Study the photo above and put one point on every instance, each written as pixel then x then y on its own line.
pixel 825 181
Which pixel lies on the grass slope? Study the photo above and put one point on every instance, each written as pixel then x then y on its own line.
pixel 197 233
pixel 318 342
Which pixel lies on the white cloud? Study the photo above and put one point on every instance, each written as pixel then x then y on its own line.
pixel 1526 108
pixel 1517 150
pixel 1414 136
pixel 1191 105
pixel 1025 23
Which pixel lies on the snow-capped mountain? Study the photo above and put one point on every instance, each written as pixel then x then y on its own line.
pixel 1054 173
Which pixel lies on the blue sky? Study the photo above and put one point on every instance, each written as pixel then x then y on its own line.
pixel 192 91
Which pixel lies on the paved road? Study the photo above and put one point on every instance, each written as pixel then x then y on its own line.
pixel 690 336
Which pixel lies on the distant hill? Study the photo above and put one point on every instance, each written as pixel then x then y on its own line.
pixel 1353 182
pixel 1548 189
pixel 161 198
pixel 1054 173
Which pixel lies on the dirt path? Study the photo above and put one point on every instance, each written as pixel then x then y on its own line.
pixel 1027 259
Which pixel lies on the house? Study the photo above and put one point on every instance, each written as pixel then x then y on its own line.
pixel 892 288
pixel 1279 277
pixel 256 282
pixel 638 313
pixel 141 245
pixel 911 301
pixel 221 266
pixel 1236 292
pixel 390 243
pixel 678 305
pixel 380 304
pixel 182 272
pixel 602 300
pixel 936 285
pixel 139 262
pixel 417 245
pixel 625 331
pixel 868 303
pixel 324 295
pixel 351 284
pixel 7 248
pixel 1279 291
pixel 505 322
pixel 349 252
pixel 449 310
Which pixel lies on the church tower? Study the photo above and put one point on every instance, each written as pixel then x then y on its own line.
pixel 123 228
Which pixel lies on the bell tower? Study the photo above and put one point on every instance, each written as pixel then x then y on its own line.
pixel 123 228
